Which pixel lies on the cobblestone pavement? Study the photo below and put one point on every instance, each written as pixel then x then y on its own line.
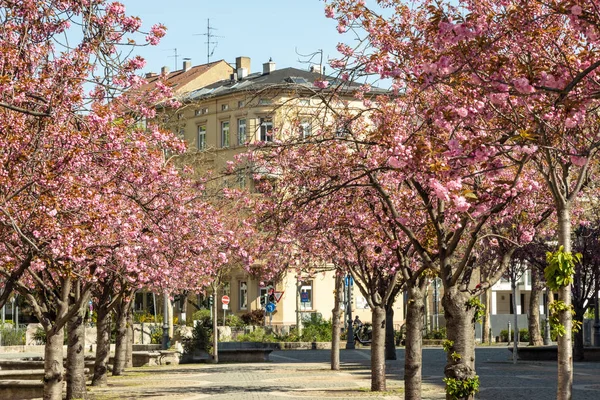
pixel 305 374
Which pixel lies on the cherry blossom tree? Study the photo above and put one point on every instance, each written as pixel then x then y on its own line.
pixel 531 64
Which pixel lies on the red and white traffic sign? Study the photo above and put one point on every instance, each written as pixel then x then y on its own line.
pixel 225 299
pixel 278 296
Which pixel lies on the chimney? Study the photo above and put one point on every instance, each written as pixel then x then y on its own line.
pixel 187 64
pixel 164 70
pixel 242 73
pixel 317 69
pixel 268 67
pixel 242 62
pixel 151 75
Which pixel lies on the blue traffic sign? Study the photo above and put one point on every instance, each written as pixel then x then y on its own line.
pixel 304 297
pixel 348 278
pixel 270 307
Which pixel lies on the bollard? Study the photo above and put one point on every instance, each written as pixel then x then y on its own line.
pixel 509 333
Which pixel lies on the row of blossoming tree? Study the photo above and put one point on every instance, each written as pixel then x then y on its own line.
pixel 489 132
pixel 91 208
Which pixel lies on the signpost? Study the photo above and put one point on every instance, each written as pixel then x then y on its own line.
pixel 225 302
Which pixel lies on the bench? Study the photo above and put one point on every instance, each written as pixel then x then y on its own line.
pixel 22 389
pixel 244 355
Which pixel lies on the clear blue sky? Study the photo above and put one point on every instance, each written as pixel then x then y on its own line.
pixel 259 29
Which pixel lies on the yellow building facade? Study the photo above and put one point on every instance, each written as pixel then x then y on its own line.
pixel 226 117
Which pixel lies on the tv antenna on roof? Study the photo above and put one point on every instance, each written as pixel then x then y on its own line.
pixel 176 56
pixel 209 40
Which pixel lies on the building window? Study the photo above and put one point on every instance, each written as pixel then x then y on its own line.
pixel 264 102
pixel 266 130
pixel 304 102
pixel 225 134
pixel 181 133
pixel 241 103
pixel 201 137
pixel 241 131
pixel 201 111
pixel 227 288
pixel 224 107
pixel 265 292
pixel 305 128
pixel 306 298
pixel 243 296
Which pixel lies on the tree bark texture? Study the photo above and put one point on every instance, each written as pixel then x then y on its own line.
pixel 121 338
pixel 414 344
pixel 130 333
pixel 75 356
pixel 535 334
pixel 459 324
pixel 103 323
pixel 390 338
pixel 336 325
pixel 515 327
pixel 378 383
pixel 565 347
pixel 486 323
pixel 54 376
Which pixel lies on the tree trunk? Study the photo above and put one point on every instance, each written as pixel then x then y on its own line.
pixel 336 325
pixel 390 338
pixel 75 356
pixel 460 330
pixel 578 354
pixel 53 364
pixel 130 333
pixel 378 349
pixel 515 356
pixel 102 347
pixel 535 334
pixel 414 344
pixel 121 338
pixel 565 348
pixel 215 328
pixel 486 323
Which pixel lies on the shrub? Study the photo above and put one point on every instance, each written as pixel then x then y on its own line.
pixel 317 330
pixel 40 336
pixel 12 337
pixel 201 315
pixel 140 317
pixel 436 334
pixel 292 336
pixel 257 335
pixel 523 335
pixel 156 334
pixel 256 318
pixel 234 321
pixel 202 334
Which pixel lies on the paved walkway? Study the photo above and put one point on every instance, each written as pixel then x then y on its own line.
pixel 306 374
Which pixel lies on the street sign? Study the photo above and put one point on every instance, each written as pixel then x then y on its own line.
pixel 278 296
pixel 225 300
pixel 304 297
pixel 348 280
pixel 270 307
pixel 225 306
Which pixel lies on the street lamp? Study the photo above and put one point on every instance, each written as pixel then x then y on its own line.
pixel 165 338
pixel 350 331
pixel 596 316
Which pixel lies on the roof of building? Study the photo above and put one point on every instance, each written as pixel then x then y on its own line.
pixel 181 77
pixel 293 77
